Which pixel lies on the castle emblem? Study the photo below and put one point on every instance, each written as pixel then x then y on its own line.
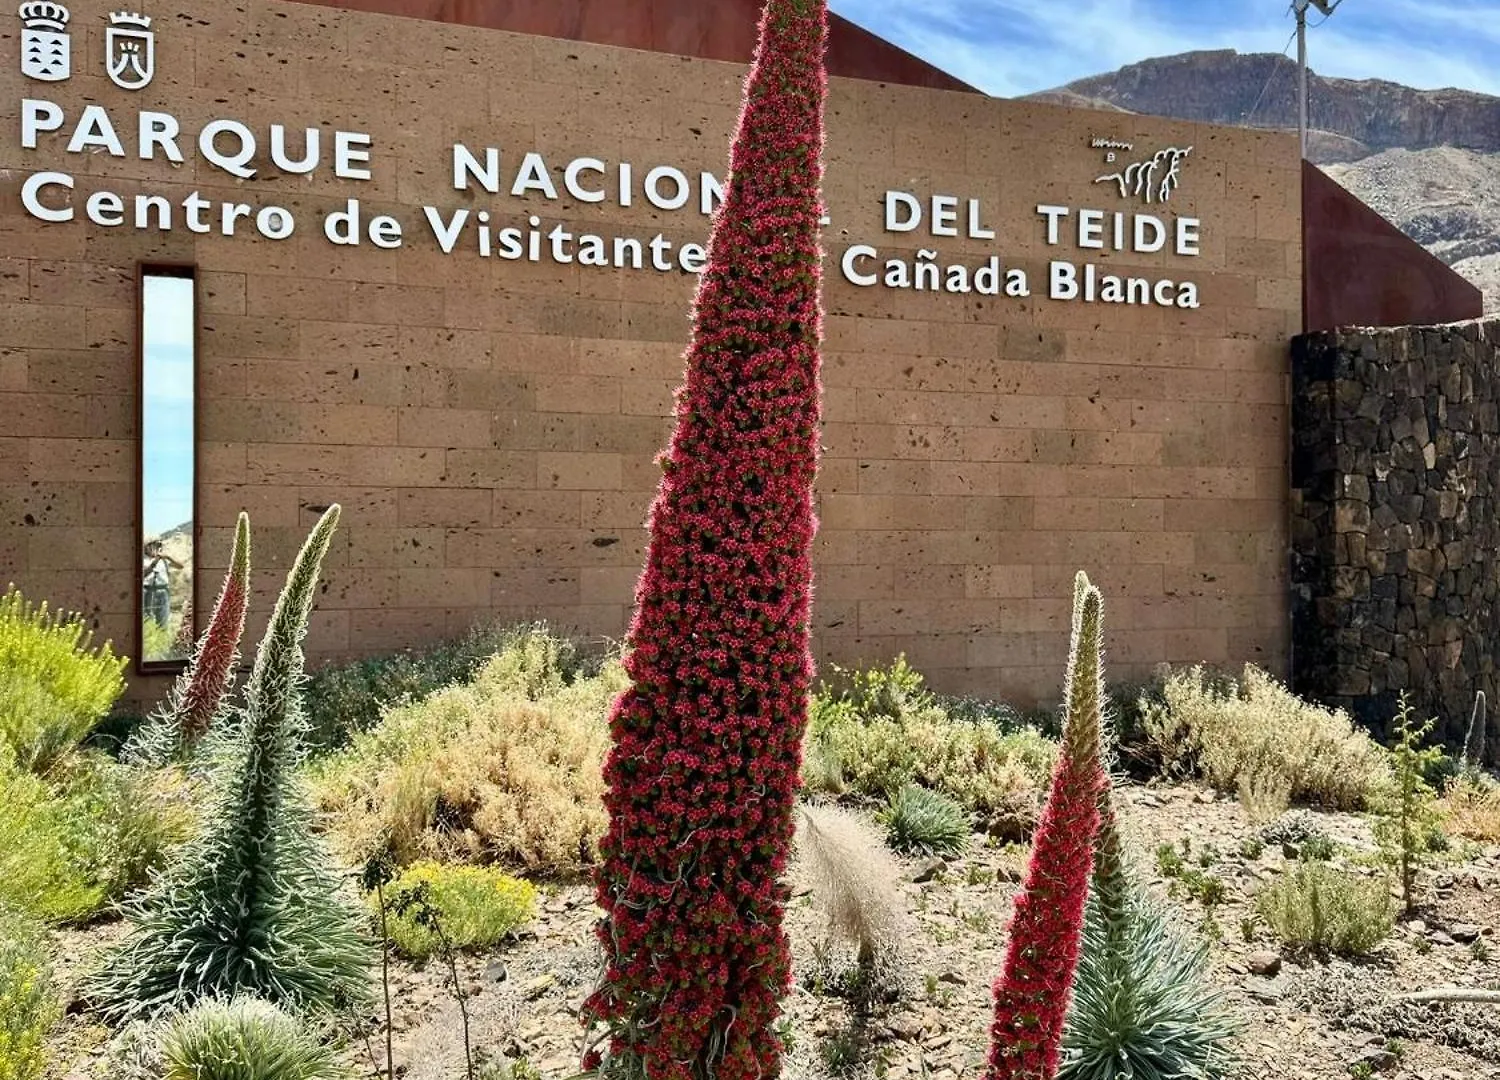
pixel 46 48
pixel 130 50
pixel 1152 179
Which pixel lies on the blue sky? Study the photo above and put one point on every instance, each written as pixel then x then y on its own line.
pixel 167 458
pixel 1011 47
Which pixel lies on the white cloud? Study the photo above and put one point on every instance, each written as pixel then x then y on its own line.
pixel 1012 47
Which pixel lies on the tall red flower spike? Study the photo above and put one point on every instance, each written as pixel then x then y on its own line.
pixel 1032 994
pixel 703 773
pixel 204 684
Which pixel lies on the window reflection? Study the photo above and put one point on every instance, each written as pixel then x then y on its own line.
pixel 167 466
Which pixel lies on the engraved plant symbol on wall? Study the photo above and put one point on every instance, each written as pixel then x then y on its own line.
pixel 46 48
pixel 1152 180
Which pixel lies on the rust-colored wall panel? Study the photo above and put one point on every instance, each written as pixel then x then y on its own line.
pixel 721 30
pixel 1360 270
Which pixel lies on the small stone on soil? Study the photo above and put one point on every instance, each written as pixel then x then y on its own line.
pixel 1377 1060
pixel 1265 963
pixel 929 870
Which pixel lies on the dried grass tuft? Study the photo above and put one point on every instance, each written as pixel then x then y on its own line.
pixel 854 880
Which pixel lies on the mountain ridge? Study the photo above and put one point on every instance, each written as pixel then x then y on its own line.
pixel 1427 160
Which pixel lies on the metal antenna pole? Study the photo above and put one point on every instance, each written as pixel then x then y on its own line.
pixel 1301 8
pixel 1327 7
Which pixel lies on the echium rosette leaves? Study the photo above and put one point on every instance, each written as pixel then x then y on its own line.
pixel 703 772
pixel 1032 994
pixel 174 732
pixel 250 904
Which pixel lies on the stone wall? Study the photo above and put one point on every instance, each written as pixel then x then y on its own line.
pixel 490 424
pixel 1395 474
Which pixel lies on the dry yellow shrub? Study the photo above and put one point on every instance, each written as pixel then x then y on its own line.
pixel 1471 809
pixel 1260 732
pixel 481 772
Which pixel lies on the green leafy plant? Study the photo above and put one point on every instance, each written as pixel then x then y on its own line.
pixel 55 685
pixel 1318 909
pixel 28 1007
pixel 1252 848
pixel 922 822
pixel 1406 810
pixel 1317 848
pixel 890 691
pixel 249 905
pixel 243 1039
pixel 477 907
pixel 995 775
pixel 1169 861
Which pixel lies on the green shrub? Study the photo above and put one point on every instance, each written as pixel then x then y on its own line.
pixel 1406 811
pixel 54 685
pixel 345 700
pixel 891 692
pixel 922 822
pixel 1295 827
pixel 1316 849
pixel 123 822
pixel 882 731
pixel 87 836
pixel 41 873
pixel 1319 909
pixel 507 769
pixel 1144 1006
pixel 244 1039
pixel 472 908
pixel 28 1007
pixel 1258 729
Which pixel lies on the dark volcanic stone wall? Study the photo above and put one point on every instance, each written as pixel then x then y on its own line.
pixel 1395 477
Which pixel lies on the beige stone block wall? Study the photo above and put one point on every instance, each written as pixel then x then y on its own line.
pixel 490 426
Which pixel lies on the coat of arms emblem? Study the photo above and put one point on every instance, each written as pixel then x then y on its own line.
pixel 46 49
pixel 130 50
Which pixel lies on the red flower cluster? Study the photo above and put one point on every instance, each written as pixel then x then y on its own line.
pixel 703 773
pixel 1032 995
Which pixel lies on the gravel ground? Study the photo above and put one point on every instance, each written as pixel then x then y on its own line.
pixel 1302 1019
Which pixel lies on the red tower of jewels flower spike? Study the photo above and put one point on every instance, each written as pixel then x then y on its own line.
pixel 1033 992
pixel 703 773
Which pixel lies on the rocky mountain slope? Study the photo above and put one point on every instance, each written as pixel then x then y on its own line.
pixel 1429 160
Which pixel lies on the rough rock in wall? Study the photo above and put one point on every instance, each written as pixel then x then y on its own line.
pixel 1395 540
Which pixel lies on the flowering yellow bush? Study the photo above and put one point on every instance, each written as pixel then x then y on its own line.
pixel 27 1007
pixel 470 906
pixel 54 685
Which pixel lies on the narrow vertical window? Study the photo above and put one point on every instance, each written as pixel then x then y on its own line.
pixel 168 460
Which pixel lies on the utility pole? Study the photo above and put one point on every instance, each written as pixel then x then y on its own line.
pixel 1299 7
